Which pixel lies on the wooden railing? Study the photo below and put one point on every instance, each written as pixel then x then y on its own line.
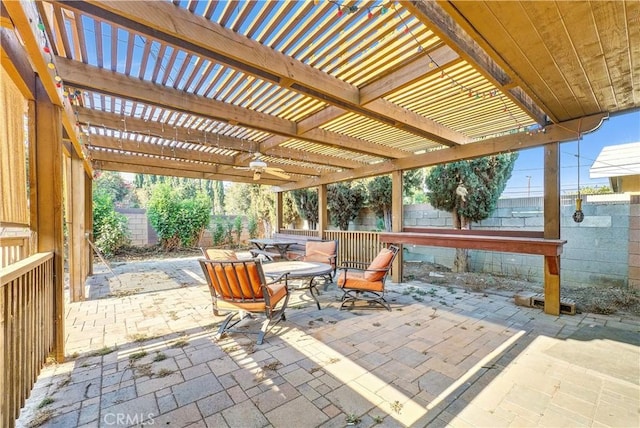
pixel 27 322
pixel 299 232
pixel 355 245
pixel 13 249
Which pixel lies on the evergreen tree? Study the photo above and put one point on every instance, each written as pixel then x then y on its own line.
pixel 469 190
pixel 344 202
pixel 306 201
pixel 379 189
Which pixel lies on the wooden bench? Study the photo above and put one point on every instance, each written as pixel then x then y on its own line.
pixel 297 249
pixel 504 241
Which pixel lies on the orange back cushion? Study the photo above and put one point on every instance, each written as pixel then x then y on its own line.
pixel 217 254
pixel 236 281
pixel 382 261
pixel 319 251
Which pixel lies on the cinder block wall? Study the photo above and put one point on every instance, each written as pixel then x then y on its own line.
pixel 599 251
pixel 138 228
pixel 634 242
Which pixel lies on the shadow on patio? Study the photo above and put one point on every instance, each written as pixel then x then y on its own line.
pixel 141 351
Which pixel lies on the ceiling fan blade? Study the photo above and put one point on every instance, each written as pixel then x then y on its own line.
pixel 277 172
pixel 244 168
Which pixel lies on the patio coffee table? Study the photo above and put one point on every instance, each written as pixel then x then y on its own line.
pixel 299 270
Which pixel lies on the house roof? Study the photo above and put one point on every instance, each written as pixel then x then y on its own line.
pixel 617 161
pixel 327 90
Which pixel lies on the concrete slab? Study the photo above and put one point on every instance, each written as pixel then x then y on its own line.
pixel 143 351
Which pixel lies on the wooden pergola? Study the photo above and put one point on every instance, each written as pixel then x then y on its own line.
pixel 326 91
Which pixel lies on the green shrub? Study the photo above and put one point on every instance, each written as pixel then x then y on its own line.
pixel 178 220
pixel 110 231
pixel 252 227
pixel 218 231
pixel 237 228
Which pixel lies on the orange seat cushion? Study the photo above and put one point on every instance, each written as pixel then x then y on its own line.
pixel 381 261
pixel 356 280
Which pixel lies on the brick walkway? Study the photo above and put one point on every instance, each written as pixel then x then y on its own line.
pixel 141 351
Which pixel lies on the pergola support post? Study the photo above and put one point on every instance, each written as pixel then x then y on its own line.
pixel 552 227
pixel 47 163
pixel 397 221
pixel 77 242
pixel 323 215
pixel 279 215
pixel 88 221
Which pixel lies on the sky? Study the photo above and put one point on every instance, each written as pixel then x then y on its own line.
pixel 528 172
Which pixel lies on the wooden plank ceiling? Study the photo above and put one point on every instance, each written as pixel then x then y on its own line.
pixel 329 90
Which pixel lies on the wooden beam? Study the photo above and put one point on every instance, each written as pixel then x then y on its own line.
pixel 96 118
pixel 16 64
pixel 107 82
pixel 565 131
pixel 155 170
pixel 222 162
pixel 25 18
pixel 198 35
pixel 141 147
pixel 91 117
pixel 443 19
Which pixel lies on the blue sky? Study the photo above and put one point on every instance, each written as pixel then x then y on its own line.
pixel 618 129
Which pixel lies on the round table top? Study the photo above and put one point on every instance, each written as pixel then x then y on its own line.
pixel 297 269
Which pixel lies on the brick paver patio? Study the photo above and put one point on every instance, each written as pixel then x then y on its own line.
pixel 141 352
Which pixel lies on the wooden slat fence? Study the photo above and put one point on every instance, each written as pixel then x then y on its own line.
pixel 27 320
pixel 299 232
pixel 13 249
pixel 355 245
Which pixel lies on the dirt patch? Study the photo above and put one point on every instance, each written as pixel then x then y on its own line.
pixel 599 300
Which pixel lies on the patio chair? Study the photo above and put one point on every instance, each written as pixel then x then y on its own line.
pixel 366 283
pixel 322 252
pixel 240 288
pixel 218 254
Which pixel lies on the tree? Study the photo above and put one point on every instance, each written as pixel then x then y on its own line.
pixel 379 189
pixel 469 190
pixel 344 202
pixel 306 201
pixel 253 200
pixel 289 211
pixel 380 200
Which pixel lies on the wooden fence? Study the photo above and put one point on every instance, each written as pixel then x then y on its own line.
pixel 27 320
pixel 13 249
pixel 355 245
pixel 299 232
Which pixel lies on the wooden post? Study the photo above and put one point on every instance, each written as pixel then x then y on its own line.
pixel 48 170
pixel 397 221
pixel 552 227
pixel 88 222
pixel 77 260
pixel 323 217
pixel 279 216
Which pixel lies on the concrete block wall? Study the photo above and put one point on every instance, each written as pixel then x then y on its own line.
pixel 138 226
pixel 599 251
pixel 634 242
